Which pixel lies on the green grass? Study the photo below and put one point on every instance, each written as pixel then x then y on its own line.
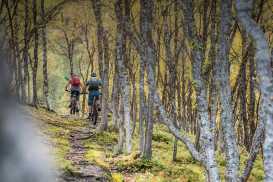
pixel 56 130
pixel 131 168
pixel 160 168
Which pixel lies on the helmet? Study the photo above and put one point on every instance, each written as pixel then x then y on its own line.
pixel 93 75
pixel 74 75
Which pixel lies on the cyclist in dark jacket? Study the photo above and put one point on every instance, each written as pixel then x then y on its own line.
pixel 93 84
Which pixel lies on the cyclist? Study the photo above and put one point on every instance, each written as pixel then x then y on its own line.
pixel 76 83
pixel 93 88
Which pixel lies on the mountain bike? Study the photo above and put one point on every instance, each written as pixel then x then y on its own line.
pixel 94 111
pixel 73 108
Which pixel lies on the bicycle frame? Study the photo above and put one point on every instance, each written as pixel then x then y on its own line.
pixel 94 111
pixel 74 103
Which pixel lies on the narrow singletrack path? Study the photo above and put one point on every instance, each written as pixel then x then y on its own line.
pixel 86 170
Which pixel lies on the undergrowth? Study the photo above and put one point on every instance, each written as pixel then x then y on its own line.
pixel 131 167
pixel 160 168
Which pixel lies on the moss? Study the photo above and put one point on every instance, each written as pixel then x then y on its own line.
pixel 117 177
pixel 159 168
pixel 161 136
pixel 107 137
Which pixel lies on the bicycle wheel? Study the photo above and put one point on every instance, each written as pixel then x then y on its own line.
pixel 74 105
pixel 95 111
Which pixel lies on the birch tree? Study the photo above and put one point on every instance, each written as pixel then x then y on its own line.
pixel 227 124
pixel 265 79
pixel 36 44
pixel 45 56
pixel 102 48
pixel 121 58
pixel 209 160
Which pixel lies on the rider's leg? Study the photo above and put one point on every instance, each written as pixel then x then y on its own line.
pixel 98 104
pixel 78 91
pixel 90 102
pixel 97 94
pixel 77 103
pixel 70 102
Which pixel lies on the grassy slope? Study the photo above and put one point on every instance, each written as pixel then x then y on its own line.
pixel 160 168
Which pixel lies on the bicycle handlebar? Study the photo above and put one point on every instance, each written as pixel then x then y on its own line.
pixel 81 92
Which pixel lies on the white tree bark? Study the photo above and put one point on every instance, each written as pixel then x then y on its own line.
pixel 104 68
pixel 265 78
pixel 36 44
pixel 231 147
pixel 25 56
pixel 115 98
pixel 121 125
pixel 121 57
pixel 142 105
pixel 45 57
pixel 208 161
pixel 254 151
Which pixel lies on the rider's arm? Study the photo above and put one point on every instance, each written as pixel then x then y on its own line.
pixel 83 88
pixel 67 84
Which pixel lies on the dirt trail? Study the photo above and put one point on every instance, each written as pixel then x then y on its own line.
pixel 86 171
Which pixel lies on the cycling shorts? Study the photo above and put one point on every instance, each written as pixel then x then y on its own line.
pixel 78 92
pixel 91 95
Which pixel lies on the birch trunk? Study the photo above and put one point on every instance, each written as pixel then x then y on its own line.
pixel 213 75
pixel 45 57
pixel 227 124
pixel 189 110
pixel 121 124
pixel 25 56
pixel 135 109
pixel 243 87
pixel 141 105
pixel 151 55
pixel 35 66
pixel 172 77
pixel 28 89
pixel 240 132
pixel 251 113
pixel 115 99
pixel 182 127
pixel 121 50
pixel 19 60
pixel 209 160
pixel 101 35
pixel 254 151
pixel 265 78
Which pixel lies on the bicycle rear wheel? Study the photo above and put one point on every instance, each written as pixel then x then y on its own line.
pixel 95 111
pixel 74 105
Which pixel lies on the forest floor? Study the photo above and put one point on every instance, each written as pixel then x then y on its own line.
pixel 63 143
pixel 81 154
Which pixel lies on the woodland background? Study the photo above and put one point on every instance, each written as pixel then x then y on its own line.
pixel 187 64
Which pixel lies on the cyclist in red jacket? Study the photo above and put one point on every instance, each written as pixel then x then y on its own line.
pixel 76 84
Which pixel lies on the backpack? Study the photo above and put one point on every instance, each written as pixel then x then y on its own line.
pixel 76 82
pixel 94 84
